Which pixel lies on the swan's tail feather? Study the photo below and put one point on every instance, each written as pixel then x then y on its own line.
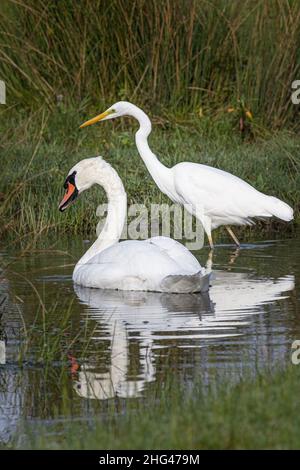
pixel 280 209
pixel 180 283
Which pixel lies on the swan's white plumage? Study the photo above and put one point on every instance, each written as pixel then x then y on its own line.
pixel 141 265
pixel 157 264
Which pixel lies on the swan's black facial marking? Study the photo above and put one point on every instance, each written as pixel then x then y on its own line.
pixel 71 192
pixel 70 179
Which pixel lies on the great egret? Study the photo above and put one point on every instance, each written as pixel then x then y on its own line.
pixel 214 196
pixel 157 264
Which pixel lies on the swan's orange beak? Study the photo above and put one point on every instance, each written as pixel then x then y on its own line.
pixel 98 118
pixel 69 197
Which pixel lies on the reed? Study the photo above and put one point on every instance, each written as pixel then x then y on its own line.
pixel 184 56
pixel 187 62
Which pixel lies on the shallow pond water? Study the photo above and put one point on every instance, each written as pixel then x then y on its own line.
pixel 66 351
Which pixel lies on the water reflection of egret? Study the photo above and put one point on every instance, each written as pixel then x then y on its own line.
pixel 2 351
pixel 152 319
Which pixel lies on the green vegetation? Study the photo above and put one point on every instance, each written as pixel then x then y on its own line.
pixel 178 55
pixel 255 413
pixel 46 145
pixel 187 63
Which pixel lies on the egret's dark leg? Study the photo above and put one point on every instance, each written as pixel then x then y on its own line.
pixel 229 230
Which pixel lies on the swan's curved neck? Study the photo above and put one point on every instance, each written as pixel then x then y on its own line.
pixel 160 173
pixel 108 178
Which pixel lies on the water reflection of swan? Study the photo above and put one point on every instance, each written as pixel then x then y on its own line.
pixel 118 312
pixel 153 319
pixel 114 382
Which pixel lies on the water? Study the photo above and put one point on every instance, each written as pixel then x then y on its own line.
pixel 87 347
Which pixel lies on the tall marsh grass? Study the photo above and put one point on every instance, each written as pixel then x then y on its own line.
pixel 186 61
pixel 35 162
pixel 184 55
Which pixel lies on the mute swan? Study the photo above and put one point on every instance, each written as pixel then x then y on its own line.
pixel 157 264
pixel 214 196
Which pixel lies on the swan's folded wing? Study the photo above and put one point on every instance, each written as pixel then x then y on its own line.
pixel 177 252
pixel 130 262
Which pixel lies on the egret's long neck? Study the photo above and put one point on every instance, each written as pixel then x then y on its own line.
pixel 116 211
pixel 160 173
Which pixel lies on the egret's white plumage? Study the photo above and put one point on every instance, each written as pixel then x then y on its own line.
pixel 157 264
pixel 214 196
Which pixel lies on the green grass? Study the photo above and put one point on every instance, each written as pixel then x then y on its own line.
pixel 255 413
pixel 44 145
pixel 185 62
